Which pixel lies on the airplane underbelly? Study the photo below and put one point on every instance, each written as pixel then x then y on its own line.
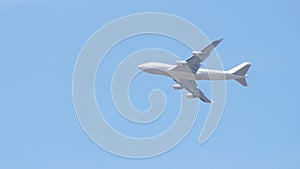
pixel 182 75
pixel 210 76
pixel 200 75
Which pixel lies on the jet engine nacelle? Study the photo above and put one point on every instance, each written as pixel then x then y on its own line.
pixel 180 62
pixel 196 53
pixel 190 96
pixel 177 87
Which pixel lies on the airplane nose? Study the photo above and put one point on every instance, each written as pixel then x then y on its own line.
pixel 142 66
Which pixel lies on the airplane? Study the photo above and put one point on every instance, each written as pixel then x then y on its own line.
pixel 185 73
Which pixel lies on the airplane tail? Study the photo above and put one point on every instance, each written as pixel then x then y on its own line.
pixel 241 70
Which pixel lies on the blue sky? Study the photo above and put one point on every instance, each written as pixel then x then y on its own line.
pixel 40 42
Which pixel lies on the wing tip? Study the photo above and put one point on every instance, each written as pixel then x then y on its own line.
pixel 216 42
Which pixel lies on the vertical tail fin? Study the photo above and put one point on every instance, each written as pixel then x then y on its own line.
pixel 241 70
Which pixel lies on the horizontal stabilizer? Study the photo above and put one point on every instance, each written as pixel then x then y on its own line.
pixel 242 81
pixel 241 70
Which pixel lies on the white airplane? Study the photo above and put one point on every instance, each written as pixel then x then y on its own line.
pixel 186 72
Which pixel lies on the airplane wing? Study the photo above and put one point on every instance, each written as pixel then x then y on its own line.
pixel 192 64
pixel 191 86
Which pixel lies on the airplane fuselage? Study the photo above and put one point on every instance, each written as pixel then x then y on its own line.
pixel 186 72
pixel 202 74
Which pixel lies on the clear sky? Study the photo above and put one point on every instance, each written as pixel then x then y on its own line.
pixel 41 40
